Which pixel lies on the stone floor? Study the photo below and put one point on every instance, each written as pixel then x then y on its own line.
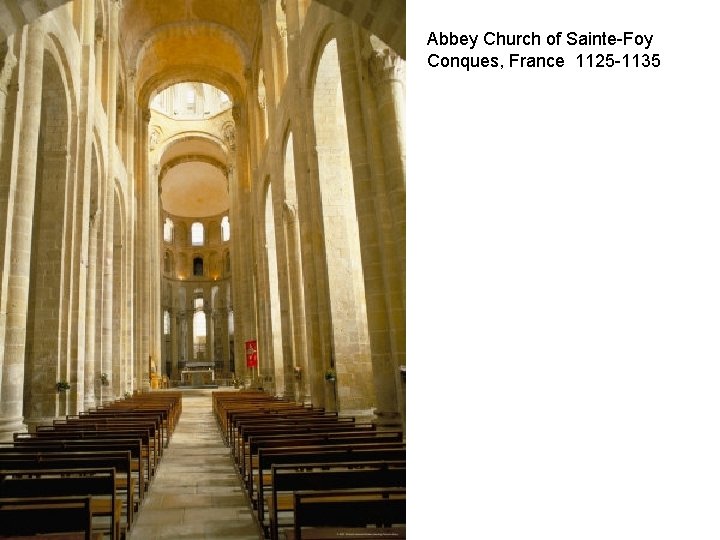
pixel 196 493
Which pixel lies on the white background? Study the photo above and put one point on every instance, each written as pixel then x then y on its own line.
pixel 564 279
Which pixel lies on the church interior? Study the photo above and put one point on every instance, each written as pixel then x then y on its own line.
pixel 203 210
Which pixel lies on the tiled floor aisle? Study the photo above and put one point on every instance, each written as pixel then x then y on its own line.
pixel 196 493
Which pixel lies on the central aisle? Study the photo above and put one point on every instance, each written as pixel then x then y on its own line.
pixel 197 493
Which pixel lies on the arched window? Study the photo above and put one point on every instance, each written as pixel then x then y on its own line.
pixel 225 229
pixel 199 327
pixel 168 230
pixel 198 234
pixel 197 266
pixel 166 322
pixel 199 324
pixel 231 323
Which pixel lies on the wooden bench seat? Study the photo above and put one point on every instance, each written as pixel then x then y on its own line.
pixel 134 446
pixel 294 458
pixel 277 433
pixel 384 507
pixel 98 483
pixel 51 462
pixel 148 451
pixel 288 479
pixel 309 429
pixel 249 458
pixel 61 518
pixel 276 417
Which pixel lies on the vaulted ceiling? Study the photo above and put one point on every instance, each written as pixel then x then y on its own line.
pixel 179 40
pixel 193 178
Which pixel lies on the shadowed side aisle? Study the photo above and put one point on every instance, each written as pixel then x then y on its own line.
pixel 196 493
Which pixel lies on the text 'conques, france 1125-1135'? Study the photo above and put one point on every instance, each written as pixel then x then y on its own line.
pixel 555 50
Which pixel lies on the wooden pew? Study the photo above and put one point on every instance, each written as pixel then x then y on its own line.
pixel 236 420
pixel 60 518
pixel 288 479
pixel 98 483
pixel 116 417
pixel 155 442
pixel 134 446
pixel 148 449
pixel 268 412
pixel 382 507
pixel 327 457
pixel 282 428
pixel 54 461
pixel 316 440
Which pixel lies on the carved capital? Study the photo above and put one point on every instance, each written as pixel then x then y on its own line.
pixel 282 30
pixel 9 64
pixel 155 134
pixel 386 65
pixel 228 130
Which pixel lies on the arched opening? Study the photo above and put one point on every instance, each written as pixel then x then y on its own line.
pixel 350 355
pixel 225 228
pixel 198 267
pixel 198 234
pixel 168 230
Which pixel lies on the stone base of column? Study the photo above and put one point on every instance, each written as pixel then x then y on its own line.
pixel 33 423
pixel 389 419
pixel 11 425
pixel 362 416
pixel 89 403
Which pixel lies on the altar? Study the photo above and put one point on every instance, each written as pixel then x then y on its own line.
pixel 198 373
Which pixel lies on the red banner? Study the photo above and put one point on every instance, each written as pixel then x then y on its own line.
pixel 251 353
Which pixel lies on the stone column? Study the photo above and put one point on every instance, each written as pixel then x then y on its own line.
pixel 86 227
pixel 297 299
pixel 112 293
pixel 131 231
pixel 90 352
pixel 8 66
pixel 107 290
pixel 143 281
pixel 387 76
pixel 174 341
pixel 209 348
pixel 11 106
pixel 182 337
pixel 387 72
pixel 190 345
pixel 13 368
pixel 383 288
pixel 243 268
pixel 319 338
